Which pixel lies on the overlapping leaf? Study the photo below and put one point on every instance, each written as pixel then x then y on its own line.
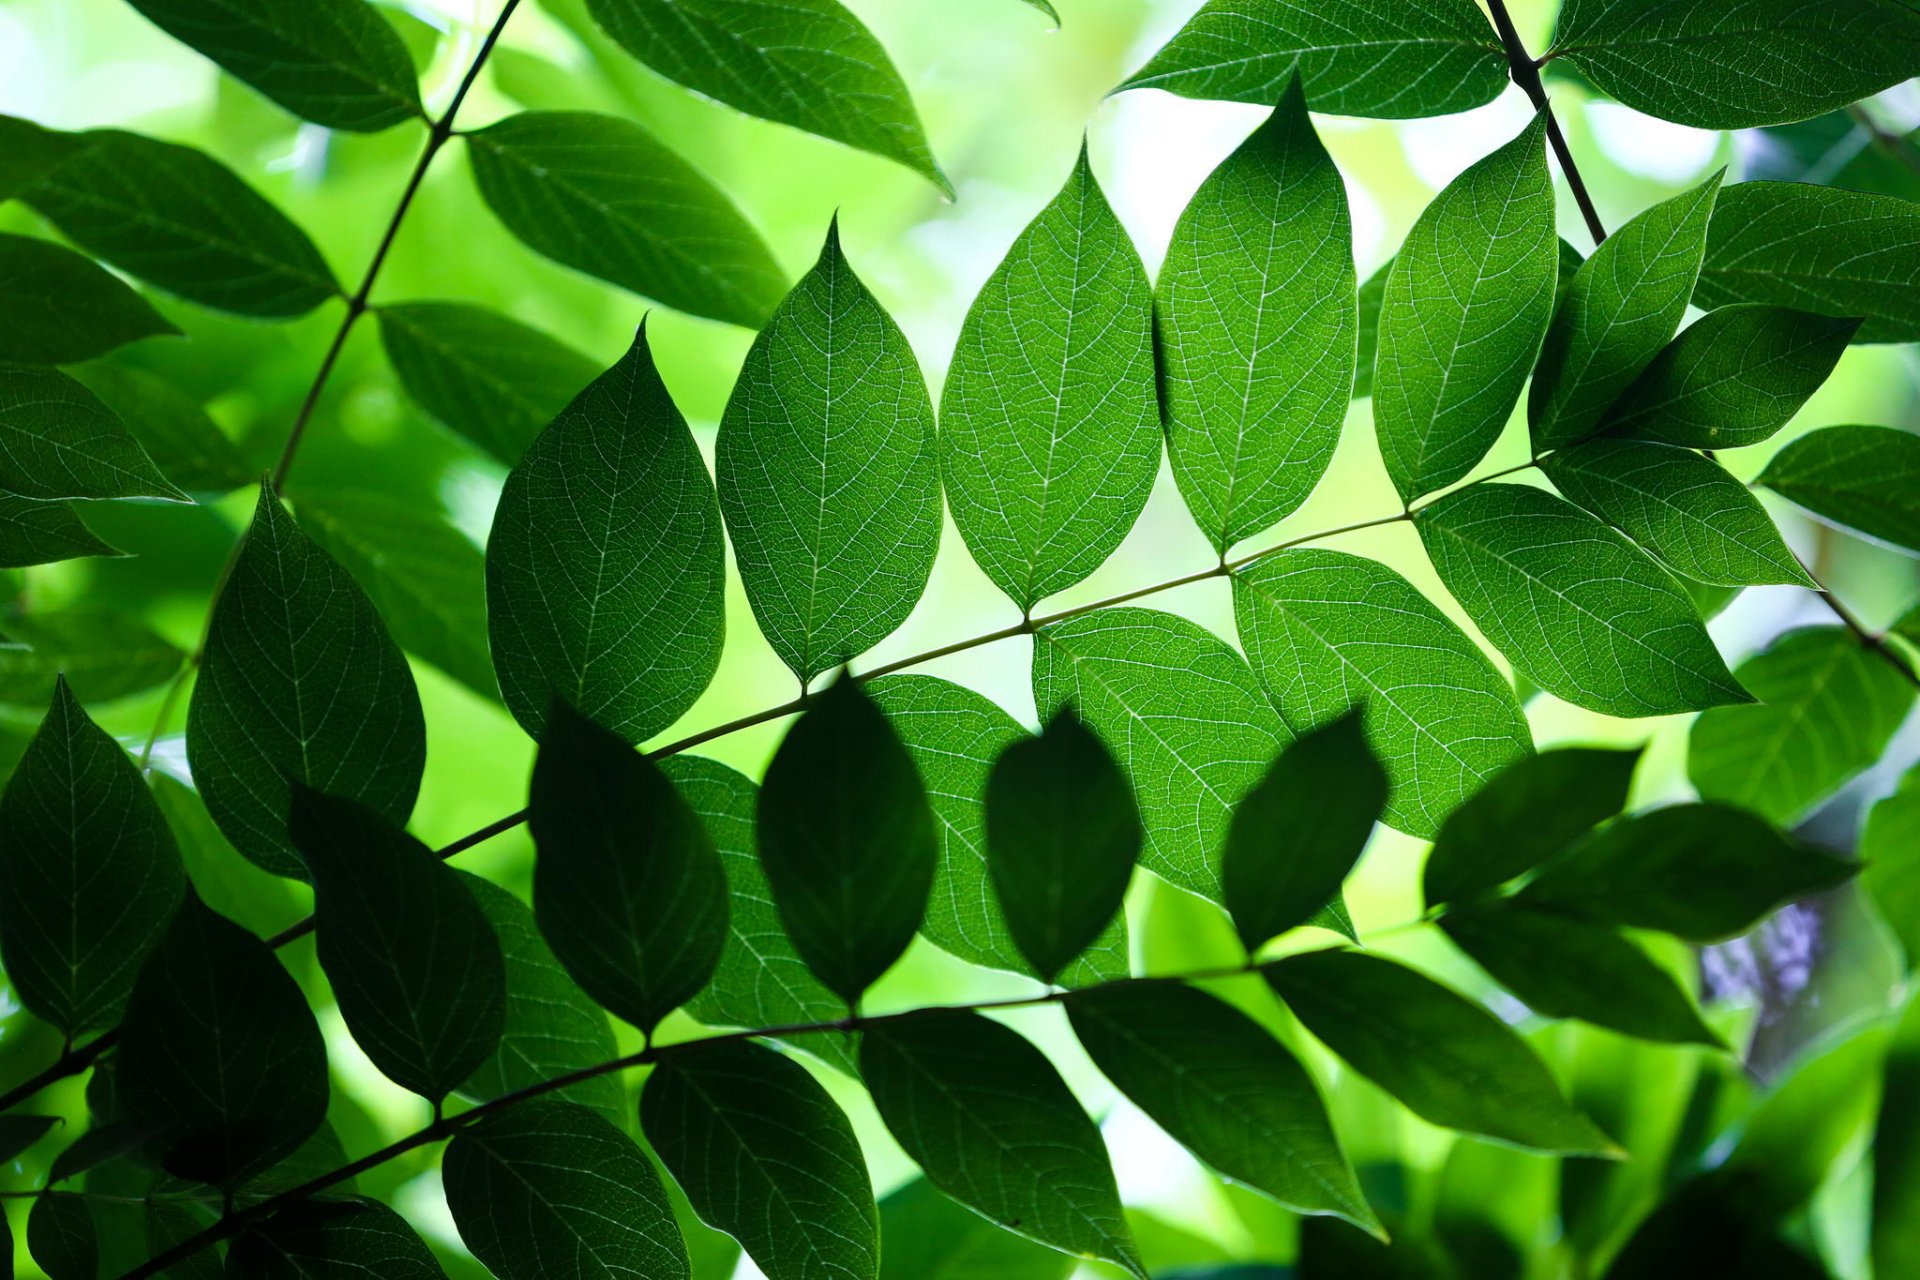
pixel 103 655
pixel 1866 478
pixel 184 443
pixel 924 1233
pixel 347 1238
pixel 61 307
pixel 57 440
pixel 34 532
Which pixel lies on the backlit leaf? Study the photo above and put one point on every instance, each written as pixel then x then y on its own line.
pixel 44 533
pixel 1866 478
pixel 1890 848
pixel 60 307
pixel 104 656
pixel 924 1233
pixel 321 1241
pixel 57 440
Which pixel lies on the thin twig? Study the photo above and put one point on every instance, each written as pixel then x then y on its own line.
pixel 1525 72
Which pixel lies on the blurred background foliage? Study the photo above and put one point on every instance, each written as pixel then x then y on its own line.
pixel 1006 99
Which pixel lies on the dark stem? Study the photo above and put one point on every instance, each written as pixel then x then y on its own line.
pixel 1525 72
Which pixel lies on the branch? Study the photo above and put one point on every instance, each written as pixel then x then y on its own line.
pixel 1525 72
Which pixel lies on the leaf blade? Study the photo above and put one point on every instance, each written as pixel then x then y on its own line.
pixel 57 440
pixel 62 308
pixel 1861 477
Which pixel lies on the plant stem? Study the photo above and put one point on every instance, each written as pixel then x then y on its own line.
pixel 1525 72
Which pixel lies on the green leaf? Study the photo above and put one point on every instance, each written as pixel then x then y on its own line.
pixel 300 683
pixel 954 736
pixel 1704 872
pixel 171 426
pixel 627 887
pixel 602 195
pixel 1534 809
pixel 104 656
pixel 1220 1084
pixel 425 578
pixel 1623 308
pixel 766 1156
pixel 1838 149
pixel 551 1027
pixel 826 471
pixel 1840 253
pixel 1049 424
pixel 337 63
pixel 1733 378
pixel 1467 303
pixel 1562 967
pixel 926 1236
pixel 544 1186
pixel 483 375
pixel 1683 508
pixel 1896 1153
pixel 44 533
pixel 1355 57
pixel 989 1120
pixel 1254 331
pixel 177 218
pixel 1865 478
pixel 1573 604
pixel 336 1240
pixel 62 1237
pixel 1297 834
pixel 1828 708
pixel 1736 66
pixel 1063 833
pixel 606 570
pixel 807 63
pixel 761 980
pixel 243 1092
pixel 1182 714
pixel 59 307
pixel 1449 1060
pixel 57 440
pixel 416 968
pixel 1327 632
pixel 17 1133
pixel 846 839
pixel 1890 850
pixel 89 875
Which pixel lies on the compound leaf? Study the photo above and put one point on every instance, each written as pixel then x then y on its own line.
pixel 1866 478
pixel 57 440
pixel 61 308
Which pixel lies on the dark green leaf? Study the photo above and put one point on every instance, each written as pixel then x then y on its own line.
pixel 1709 1224
pixel 807 63
pixel 1828 708
pixel 17 1133
pixel 627 887
pixel 100 1145
pixel 1327 632
pixel 1063 833
pixel 413 963
pixel 171 426
pixel 1704 872
pixel 1896 1154
pixel 1733 378
pixel 57 440
pixel 766 1156
pixel 1890 848
pixel 301 683
pixel 606 572
pixel 425 578
pixel 250 1084
pixel 1573 604
pixel 955 735
pixel 551 1027
pixel 846 839
pixel 1563 967
pixel 1449 1060
pixel 59 307
pixel 1534 809
pixel 1733 66
pixel 1182 714
pixel 548 1188
pixel 44 533
pixel 1049 424
pixel 177 218
pixel 1623 308
pixel 827 473
pixel 926 1236
pixel 989 1120
pixel 103 655
pixel 340 1240
pixel 62 1237
pixel 89 875
pixel 335 62
pixel 1219 1083
pixel 1356 57
pixel 1295 836
pixel 1685 509
pixel 1255 330
pixel 761 981
pixel 490 378
pixel 1839 149
pixel 1467 303
pixel 602 195
pixel 1840 253
pixel 1866 478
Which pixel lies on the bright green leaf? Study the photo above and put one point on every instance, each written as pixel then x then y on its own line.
pixel 57 306
pixel 1865 478
pixel 57 440
pixel 1890 848
pixel 1573 604
pixel 924 1235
